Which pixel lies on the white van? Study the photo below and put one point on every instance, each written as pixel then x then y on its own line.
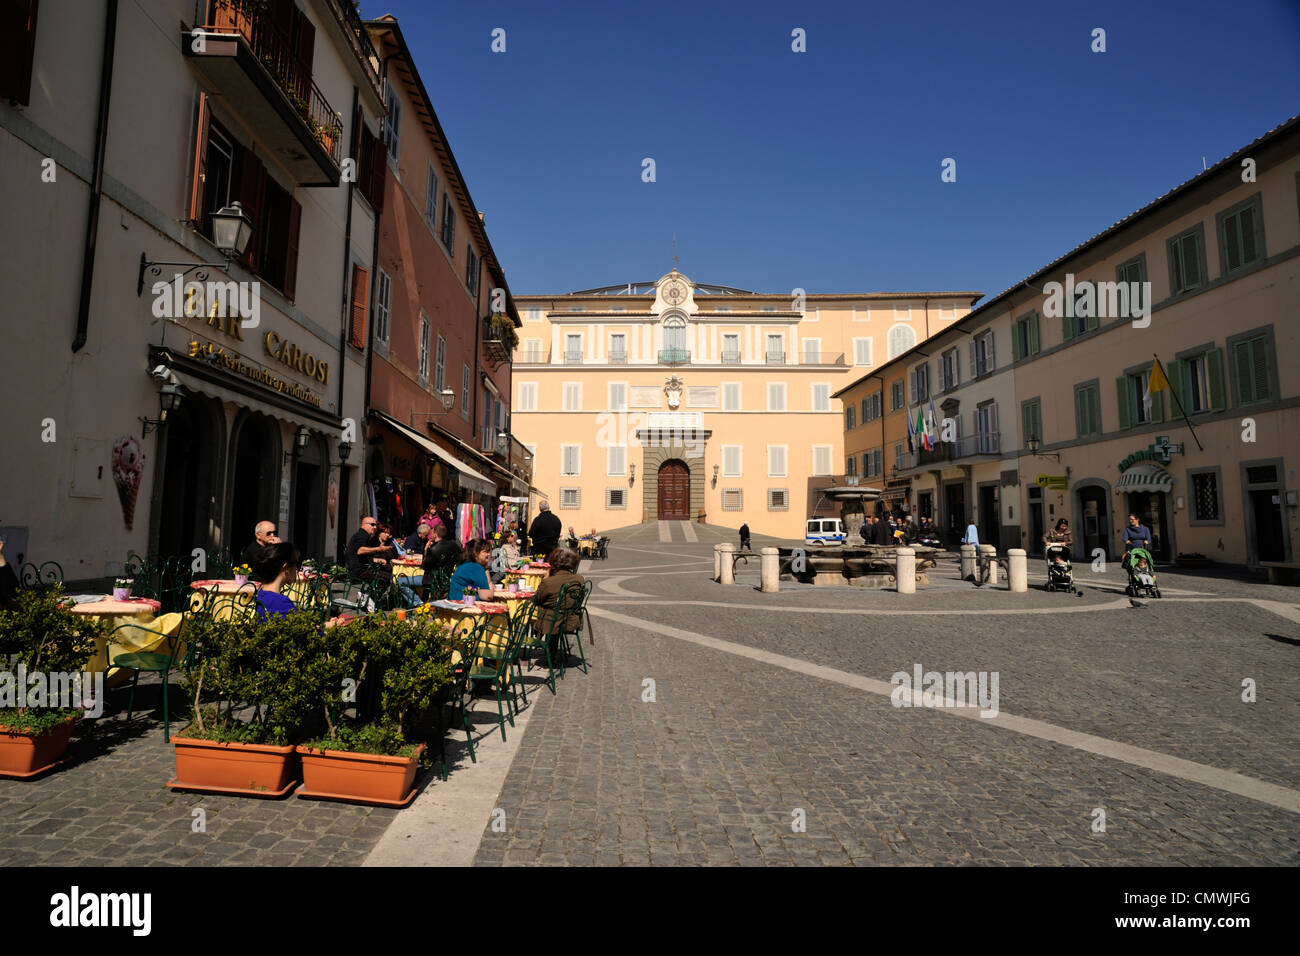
pixel 824 531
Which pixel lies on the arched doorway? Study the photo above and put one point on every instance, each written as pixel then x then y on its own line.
pixel 674 491
pixel 1092 529
pixel 307 523
pixel 255 479
pixel 191 490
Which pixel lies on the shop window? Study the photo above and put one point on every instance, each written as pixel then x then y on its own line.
pixel 1207 496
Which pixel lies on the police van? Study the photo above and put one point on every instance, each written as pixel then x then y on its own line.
pixel 824 531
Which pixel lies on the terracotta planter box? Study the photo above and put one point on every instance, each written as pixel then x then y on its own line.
pixel 23 756
pixel 252 770
pixel 359 778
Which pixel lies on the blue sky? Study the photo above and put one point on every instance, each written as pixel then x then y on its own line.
pixel 821 169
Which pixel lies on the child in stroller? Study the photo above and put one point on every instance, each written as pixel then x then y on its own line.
pixel 1141 568
pixel 1060 572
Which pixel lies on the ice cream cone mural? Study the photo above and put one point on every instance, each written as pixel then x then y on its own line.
pixel 332 498
pixel 128 466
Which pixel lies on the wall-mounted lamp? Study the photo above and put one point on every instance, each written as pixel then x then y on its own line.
pixel 302 437
pixel 715 476
pixel 231 230
pixel 1034 443
pixel 631 474
pixel 169 399
pixel 345 449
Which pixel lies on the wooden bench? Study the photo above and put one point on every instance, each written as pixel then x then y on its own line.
pixel 1281 572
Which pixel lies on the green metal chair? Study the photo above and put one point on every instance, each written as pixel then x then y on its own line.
pixel 147 662
pixel 521 626
pixel 493 646
pixel 584 593
pixel 549 628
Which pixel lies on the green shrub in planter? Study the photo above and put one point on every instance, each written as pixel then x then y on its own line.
pixel 41 635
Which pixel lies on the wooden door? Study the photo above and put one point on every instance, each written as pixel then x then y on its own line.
pixel 674 491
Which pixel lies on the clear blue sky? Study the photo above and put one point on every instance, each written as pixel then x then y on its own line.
pixel 821 169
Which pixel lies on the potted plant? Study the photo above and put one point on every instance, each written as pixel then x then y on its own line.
pixel 371 756
pixel 469 595
pixel 241 573
pixel 122 588
pixel 246 716
pixel 40 638
pixel 501 329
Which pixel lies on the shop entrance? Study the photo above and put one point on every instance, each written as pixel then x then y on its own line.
pixel 1266 535
pixel 307 523
pixel 189 486
pixel 1093 531
pixel 954 512
pixel 1036 529
pixel 255 479
pixel 1151 507
pixel 990 515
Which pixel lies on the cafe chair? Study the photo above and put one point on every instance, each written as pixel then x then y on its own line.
pixel 493 647
pixel 148 662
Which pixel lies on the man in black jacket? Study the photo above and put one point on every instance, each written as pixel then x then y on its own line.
pixel 544 535
pixel 444 554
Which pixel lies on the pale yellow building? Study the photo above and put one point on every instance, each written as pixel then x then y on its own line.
pixel 672 400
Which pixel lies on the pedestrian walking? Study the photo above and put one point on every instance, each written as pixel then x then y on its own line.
pixel 744 537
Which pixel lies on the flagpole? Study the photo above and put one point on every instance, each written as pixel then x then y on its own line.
pixel 1174 393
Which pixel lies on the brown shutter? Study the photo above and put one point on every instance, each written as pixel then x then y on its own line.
pixel 304 53
pixel 17 49
pixel 291 252
pixel 378 172
pixel 200 168
pixel 360 297
pixel 252 186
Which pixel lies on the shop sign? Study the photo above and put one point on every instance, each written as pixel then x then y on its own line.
pixel 1158 451
pixel 296 358
pixel 1053 481
pixel 234 363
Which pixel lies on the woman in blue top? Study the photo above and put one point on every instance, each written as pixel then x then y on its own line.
pixel 472 571
pixel 276 565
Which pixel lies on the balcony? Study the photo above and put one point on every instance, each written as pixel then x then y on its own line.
pixel 254 64
pixel 674 356
pixel 499 340
pixel 775 358
pixel 972 446
pixel 731 358
pixel 824 358
pixel 572 358
pixel 618 358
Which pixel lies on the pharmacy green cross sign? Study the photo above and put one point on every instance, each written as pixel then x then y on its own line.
pixel 1158 451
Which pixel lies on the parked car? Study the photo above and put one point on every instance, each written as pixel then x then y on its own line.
pixel 824 531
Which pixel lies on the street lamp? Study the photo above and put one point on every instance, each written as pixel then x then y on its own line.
pixel 169 399
pixel 302 437
pixel 345 449
pixel 1034 443
pixel 231 230
pixel 631 473
pixel 715 476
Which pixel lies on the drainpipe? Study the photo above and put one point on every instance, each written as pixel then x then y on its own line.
pixel 374 252
pixel 347 262
pixel 97 177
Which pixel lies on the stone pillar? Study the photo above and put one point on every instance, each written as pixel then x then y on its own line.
pixel 992 553
pixel 905 571
pixel 728 567
pixel 967 561
pixel 771 570
pixel 1017 570
pixel 717 561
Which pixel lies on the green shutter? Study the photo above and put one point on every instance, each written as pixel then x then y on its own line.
pixel 1034 347
pixel 1125 411
pixel 1094 320
pixel 1017 349
pixel 1259 357
pixel 1177 387
pixel 1214 379
pixel 1080 417
pixel 1158 406
pixel 1244 368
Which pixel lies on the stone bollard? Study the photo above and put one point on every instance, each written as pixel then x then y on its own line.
pixel 717 562
pixel 905 572
pixel 727 573
pixel 1017 570
pixel 992 554
pixel 770 563
pixel 967 561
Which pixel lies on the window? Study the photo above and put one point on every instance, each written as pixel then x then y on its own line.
pixel 898 456
pixel 778 499
pixel 949 367
pixel 448 224
pixel 862 351
pixel 986 429
pixel 850 418
pixel 1131 395
pixel 1241 235
pixel 392 121
pixel 1025 337
pixel 533 351
pixel 615 499
pixel 431 198
pixel 573 348
pixel 776 461
pixel 570 459
pixel 1087 409
pixel 981 354
pixel 675 336
pixel 1078 316
pixel 821 459
pixel 919 382
pixel 1253 371
pixel 812 351
pixel 732 499
pixel 1132 275
pixel 1207 496
pixel 851 465
pixel 903 313
pixel 383 300
pixel 19 33
pixel 570 498
pixel 775 349
pixel 731 396
pixel 1197 380
pixel 767 308
pixel 572 396
pixel 618 396
pixel 730 349
pixel 464 392
pixel 901 338
pixel 423 369
pixel 821 397
pixel 1187 261
pixel 527 397
pixel 731 460
pixel 471 270
pixel 776 396
pixel 872 464
pixel 616 460
pixel 871 408
pixel 895 396
pixel 440 365
pixel 618 348
pixel 1031 420
pixel 534 315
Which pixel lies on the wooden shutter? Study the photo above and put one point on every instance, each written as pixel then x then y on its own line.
pixel 303 54
pixel 1124 396
pixel 199 169
pixel 1175 371
pixel 291 250
pixel 1214 379
pixel 252 187
pixel 360 296
pixel 1244 368
pixel 911 384
pixel 1033 335
pixel 1017 348
pixel 17 49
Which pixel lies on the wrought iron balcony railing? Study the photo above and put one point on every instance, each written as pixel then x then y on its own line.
pixel 731 358
pixel 674 356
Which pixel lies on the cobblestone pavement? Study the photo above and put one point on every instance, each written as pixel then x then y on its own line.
pixel 733 752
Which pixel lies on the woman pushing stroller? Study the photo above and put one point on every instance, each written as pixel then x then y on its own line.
pixel 1058 542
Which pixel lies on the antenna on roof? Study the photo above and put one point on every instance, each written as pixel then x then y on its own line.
pixel 1203 166
pixel 674 252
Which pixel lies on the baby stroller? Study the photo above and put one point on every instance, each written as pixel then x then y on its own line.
pixel 1141 568
pixel 1060 572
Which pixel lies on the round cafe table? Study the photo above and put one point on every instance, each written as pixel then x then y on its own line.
pixel 407 568
pixel 132 616
pixel 528 578
pixel 587 546
pixel 463 618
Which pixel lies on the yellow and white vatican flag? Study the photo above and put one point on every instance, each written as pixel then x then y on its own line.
pixel 1156 382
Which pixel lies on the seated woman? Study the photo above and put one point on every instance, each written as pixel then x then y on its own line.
pixel 472 571
pixel 564 565
pixel 275 565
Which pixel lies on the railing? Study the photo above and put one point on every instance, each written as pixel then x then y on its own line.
pixel 572 358
pixel 775 358
pixel 275 49
pixel 674 356
pixel 983 443
pixel 824 358
pixel 618 358
pixel 731 358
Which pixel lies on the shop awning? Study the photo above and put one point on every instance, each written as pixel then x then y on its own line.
pixel 1145 477
pixel 321 420
pixel 469 478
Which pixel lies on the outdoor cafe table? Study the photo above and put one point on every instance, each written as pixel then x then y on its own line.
pixel 133 611
pixel 529 577
pixel 299 592
pixel 407 568
pixel 587 545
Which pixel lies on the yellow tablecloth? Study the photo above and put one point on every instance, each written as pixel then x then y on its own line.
pixel 406 571
pixel 587 546
pixel 229 596
pixel 133 637
pixel 526 579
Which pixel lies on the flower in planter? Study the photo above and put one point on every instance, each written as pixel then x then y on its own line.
pixel 242 571
pixel 127 583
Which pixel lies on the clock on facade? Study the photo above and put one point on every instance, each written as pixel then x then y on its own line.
pixel 674 292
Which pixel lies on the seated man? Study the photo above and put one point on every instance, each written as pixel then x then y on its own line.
pixel 443 554
pixel 263 534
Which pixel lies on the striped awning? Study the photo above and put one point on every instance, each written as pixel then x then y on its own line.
pixel 1145 477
